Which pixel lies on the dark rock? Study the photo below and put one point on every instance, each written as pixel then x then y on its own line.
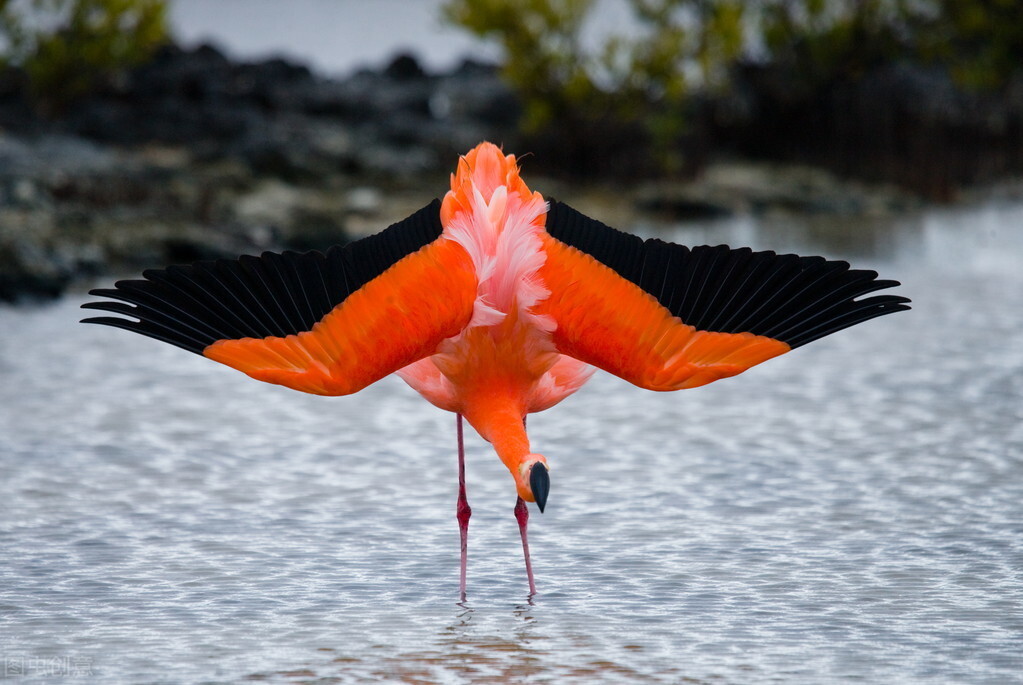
pixel 53 156
pixel 194 156
pixel 314 229
pixel 474 92
pixel 28 271
pixel 198 245
pixel 404 67
pixel 680 207
pixel 98 197
pixel 279 119
pixel 34 261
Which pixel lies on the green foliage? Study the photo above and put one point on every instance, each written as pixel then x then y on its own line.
pixel 827 39
pixel 544 59
pixel 68 47
pixel 639 79
pixel 643 79
pixel 980 42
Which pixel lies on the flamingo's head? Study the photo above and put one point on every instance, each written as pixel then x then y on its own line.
pixel 533 480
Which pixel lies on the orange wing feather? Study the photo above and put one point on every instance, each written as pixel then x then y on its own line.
pixel 608 321
pixel 397 318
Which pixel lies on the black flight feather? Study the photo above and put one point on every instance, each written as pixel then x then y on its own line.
pixel 257 297
pixel 786 297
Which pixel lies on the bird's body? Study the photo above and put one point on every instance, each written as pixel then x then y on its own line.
pixel 503 365
pixel 495 304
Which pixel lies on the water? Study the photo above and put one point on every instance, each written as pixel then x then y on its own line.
pixel 850 512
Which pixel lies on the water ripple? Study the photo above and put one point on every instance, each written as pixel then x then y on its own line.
pixel 848 512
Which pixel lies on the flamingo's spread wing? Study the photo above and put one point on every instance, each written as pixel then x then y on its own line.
pixel 324 324
pixel 667 317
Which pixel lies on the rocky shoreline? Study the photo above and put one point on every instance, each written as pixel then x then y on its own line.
pixel 197 157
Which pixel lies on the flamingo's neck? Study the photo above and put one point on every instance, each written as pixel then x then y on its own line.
pixel 501 423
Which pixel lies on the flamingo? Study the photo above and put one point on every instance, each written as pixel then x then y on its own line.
pixel 493 304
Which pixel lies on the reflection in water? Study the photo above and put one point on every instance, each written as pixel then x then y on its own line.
pixel 472 651
pixel 850 511
pixel 468 650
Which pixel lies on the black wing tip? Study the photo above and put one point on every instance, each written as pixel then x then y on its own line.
pixel 845 305
pixel 274 294
pixel 106 320
pixel 792 298
pixel 863 311
pixel 103 305
pixel 150 330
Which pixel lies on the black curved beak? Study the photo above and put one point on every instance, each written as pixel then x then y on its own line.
pixel 540 484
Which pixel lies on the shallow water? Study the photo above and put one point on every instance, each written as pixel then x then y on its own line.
pixel 852 511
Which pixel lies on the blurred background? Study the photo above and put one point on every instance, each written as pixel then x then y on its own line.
pixel 135 132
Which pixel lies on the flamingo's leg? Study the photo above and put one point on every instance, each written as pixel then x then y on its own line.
pixel 463 509
pixel 522 516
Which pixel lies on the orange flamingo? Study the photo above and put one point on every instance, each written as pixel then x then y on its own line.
pixel 493 304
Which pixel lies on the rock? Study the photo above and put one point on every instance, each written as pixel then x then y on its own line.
pixel 34 263
pixel 70 209
pixel 315 228
pixel 54 155
pixel 24 193
pixel 280 120
pixel 733 188
pixel 364 200
pixel 679 203
pixel 297 218
pixel 728 188
pixel 269 203
pixel 404 67
pixel 194 156
pixel 475 92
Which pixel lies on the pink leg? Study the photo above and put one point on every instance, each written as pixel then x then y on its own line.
pixel 464 510
pixel 522 516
